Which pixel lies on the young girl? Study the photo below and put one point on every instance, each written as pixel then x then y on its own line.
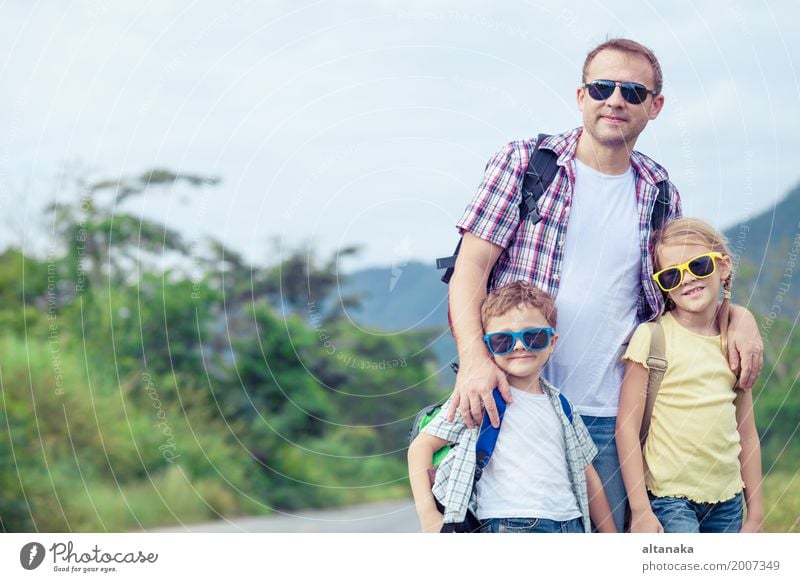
pixel 702 449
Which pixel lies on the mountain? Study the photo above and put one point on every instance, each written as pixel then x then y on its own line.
pixel 405 297
pixel 399 298
pixel 766 256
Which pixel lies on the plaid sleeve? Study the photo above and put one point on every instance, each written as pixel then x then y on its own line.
pixel 586 447
pixel 677 208
pixel 440 427
pixel 493 213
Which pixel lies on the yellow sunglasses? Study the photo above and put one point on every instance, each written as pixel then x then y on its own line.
pixel 700 267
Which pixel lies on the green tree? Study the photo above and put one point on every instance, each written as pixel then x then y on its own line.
pixel 101 238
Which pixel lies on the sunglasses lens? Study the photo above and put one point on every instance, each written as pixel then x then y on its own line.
pixel 501 343
pixel 601 90
pixel 670 279
pixel 634 93
pixel 701 266
pixel 536 339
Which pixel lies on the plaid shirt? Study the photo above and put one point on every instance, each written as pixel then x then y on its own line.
pixel 455 476
pixel 535 253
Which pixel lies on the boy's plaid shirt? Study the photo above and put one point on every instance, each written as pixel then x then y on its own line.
pixel 455 476
pixel 535 253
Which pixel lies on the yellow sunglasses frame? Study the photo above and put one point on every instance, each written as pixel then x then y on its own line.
pixel 683 267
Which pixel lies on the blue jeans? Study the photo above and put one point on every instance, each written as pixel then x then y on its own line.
pixel 680 515
pixel 601 429
pixel 530 525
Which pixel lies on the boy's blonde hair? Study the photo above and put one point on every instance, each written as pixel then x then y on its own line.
pixel 698 232
pixel 503 299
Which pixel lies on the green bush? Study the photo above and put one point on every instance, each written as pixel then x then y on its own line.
pixel 81 453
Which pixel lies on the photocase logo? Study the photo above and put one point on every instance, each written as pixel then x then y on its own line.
pixel 31 555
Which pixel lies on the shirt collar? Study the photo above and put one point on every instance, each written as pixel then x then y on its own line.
pixel 565 145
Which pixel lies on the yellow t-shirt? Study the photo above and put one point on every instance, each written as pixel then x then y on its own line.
pixel 692 449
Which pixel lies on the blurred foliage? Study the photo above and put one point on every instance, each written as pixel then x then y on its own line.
pixel 136 395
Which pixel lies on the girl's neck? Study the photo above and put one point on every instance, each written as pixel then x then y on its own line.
pixel 701 323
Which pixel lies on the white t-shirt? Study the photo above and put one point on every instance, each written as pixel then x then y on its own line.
pixel 598 292
pixel 528 474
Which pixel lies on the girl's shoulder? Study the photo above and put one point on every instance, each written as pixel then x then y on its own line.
pixel 639 346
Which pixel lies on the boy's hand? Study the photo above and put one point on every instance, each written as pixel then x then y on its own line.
pixel 431 521
pixel 645 522
pixel 476 379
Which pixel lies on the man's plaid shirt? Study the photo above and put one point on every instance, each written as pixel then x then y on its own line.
pixel 455 476
pixel 535 253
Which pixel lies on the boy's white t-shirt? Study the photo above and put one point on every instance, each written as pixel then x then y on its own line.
pixel 598 291
pixel 528 474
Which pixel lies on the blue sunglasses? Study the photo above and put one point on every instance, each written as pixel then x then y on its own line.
pixel 534 339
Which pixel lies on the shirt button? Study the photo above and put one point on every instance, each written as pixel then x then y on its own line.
pixel 561 243
pixel 556 277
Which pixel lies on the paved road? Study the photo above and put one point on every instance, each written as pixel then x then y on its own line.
pixel 383 517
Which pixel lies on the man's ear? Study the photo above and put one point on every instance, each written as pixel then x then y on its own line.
pixel 580 95
pixel 655 107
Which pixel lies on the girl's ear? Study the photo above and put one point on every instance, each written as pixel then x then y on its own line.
pixel 725 267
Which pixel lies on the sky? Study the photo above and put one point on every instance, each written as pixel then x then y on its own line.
pixel 370 122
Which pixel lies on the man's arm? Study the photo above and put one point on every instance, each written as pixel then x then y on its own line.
pixel 745 346
pixel 629 423
pixel 750 461
pixel 477 373
pixel 420 460
pixel 599 509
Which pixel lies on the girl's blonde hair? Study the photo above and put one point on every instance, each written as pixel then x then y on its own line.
pixel 699 232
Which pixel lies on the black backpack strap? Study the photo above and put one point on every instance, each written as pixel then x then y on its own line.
pixel 542 169
pixel 448 263
pixel 661 206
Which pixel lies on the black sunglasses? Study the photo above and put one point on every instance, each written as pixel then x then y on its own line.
pixel 534 339
pixel 633 93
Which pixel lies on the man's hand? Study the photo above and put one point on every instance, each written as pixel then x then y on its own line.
pixel 476 379
pixel 745 346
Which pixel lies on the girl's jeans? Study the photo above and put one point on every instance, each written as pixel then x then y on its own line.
pixel 681 515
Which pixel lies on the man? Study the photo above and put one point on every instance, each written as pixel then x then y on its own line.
pixel 590 251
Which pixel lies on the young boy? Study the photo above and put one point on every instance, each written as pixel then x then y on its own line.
pixel 537 479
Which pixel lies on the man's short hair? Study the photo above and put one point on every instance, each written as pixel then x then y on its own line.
pixel 505 298
pixel 630 47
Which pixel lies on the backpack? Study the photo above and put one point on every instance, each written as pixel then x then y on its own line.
pixel 657 365
pixel 484 448
pixel 541 171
